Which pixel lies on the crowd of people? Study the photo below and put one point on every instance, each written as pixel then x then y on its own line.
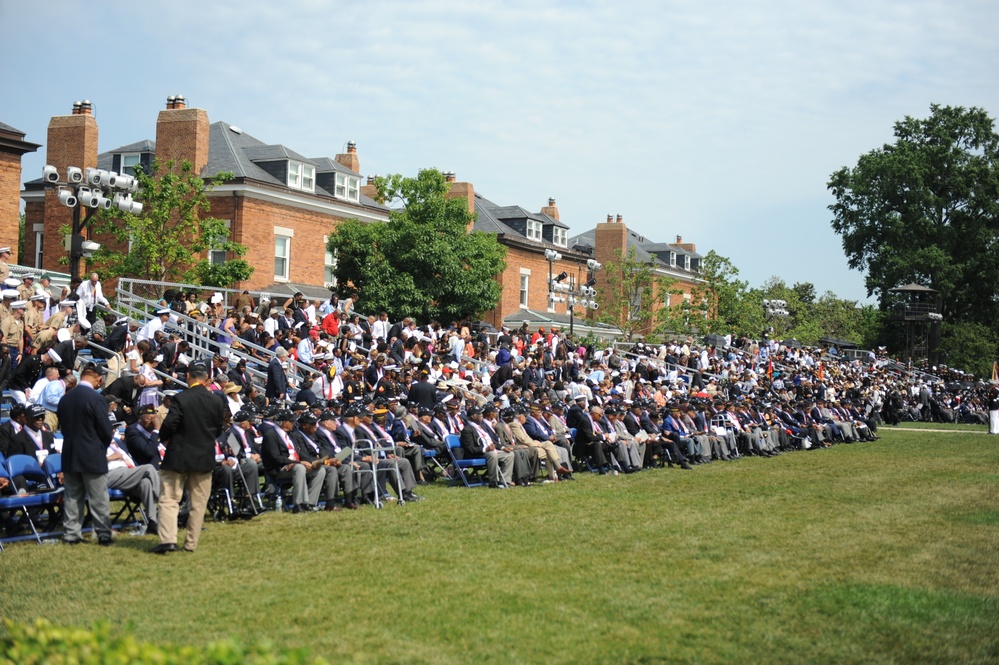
pixel 334 409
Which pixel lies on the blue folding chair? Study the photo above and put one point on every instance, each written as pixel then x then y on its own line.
pixel 38 492
pixel 471 471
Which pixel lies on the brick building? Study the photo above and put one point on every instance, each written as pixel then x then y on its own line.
pixel 280 204
pixel 12 147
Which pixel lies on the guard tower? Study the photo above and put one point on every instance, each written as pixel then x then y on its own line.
pixel 920 310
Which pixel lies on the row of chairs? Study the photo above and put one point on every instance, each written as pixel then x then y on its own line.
pixel 38 498
pixel 471 471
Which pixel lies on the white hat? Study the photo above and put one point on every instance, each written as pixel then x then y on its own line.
pixel 54 356
pixel 67 303
pixel 19 304
pixel 4 250
pixel 162 310
pixel 12 282
pixel 38 296
pixel 9 293
pixel 63 334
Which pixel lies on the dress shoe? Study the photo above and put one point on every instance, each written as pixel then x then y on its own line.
pixel 151 528
pixel 350 505
pixel 163 548
pixel 104 541
pixel 562 471
pixel 72 541
pixel 685 466
pixel 332 507
pixel 412 496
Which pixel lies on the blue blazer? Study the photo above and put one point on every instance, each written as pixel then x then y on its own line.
pixel 86 430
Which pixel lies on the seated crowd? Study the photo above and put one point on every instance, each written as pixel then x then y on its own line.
pixel 337 409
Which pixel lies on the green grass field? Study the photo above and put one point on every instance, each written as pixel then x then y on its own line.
pixel 883 552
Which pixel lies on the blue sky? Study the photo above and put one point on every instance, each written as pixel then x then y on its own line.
pixel 717 121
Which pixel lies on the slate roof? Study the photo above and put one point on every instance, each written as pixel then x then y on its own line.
pixel 493 218
pixel 645 250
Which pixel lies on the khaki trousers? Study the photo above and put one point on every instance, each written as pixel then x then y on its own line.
pixel 172 484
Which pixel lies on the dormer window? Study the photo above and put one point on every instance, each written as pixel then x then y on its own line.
pixel 672 259
pixel 348 187
pixel 302 176
pixel 686 262
pixel 128 163
pixel 534 229
pixel 560 237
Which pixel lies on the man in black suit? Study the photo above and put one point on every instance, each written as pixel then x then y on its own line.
pixel 195 419
pixel 127 389
pixel 87 432
pixel 591 437
pixel 10 428
pixel 285 459
pixel 277 381
pixel 142 438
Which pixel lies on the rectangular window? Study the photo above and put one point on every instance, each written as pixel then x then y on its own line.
pixel 524 284
pixel 302 176
pixel 560 236
pixel 672 259
pixel 686 262
pixel 39 236
pixel 347 187
pixel 329 265
pixel 282 255
pixel 129 162
pixel 533 230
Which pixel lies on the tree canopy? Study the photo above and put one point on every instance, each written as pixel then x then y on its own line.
pixel 629 294
pixel 165 241
pixel 925 209
pixel 423 262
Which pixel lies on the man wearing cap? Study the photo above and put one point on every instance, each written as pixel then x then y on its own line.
pixel 546 449
pixel 336 456
pixel 195 419
pixel 34 317
pixel 476 442
pixel 33 436
pixel 87 432
pixel 538 429
pixel 12 329
pixel 235 458
pixel 142 438
pixel 284 460
pixel 148 331
pixel 91 295
pixel 4 267
pixel 371 427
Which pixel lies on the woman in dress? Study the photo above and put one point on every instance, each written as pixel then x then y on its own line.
pixel 153 382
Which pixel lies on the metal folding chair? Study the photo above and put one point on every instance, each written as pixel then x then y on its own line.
pixel 470 471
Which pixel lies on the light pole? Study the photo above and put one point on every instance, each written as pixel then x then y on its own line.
pixel 89 191
pixel 582 294
pixel 773 309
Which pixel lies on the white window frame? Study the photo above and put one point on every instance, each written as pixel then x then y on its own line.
pixel 534 230
pixel 560 236
pixel 39 230
pixel 301 176
pixel 129 169
pixel 282 276
pixel 218 256
pixel 525 288
pixel 672 259
pixel 329 265
pixel 347 187
pixel 686 262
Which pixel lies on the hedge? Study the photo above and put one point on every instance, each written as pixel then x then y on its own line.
pixel 41 642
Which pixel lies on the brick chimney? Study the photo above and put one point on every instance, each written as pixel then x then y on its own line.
pixel 686 246
pixel 551 209
pixel 369 189
pixel 461 190
pixel 610 236
pixel 71 141
pixel 182 134
pixel 350 160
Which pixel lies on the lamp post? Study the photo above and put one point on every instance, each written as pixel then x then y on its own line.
pixel 559 291
pixel 85 192
pixel 773 309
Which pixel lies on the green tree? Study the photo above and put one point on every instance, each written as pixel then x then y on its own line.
pixel 423 262
pixel 724 300
pixel 20 241
pixel 969 347
pixel 631 294
pixel 164 242
pixel 925 209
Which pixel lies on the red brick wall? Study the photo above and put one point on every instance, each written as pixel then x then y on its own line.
pixel 253 226
pixel 183 134
pixel 10 201
pixel 537 285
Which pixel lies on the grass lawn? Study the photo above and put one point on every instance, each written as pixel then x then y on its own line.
pixel 884 552
pixel 955 427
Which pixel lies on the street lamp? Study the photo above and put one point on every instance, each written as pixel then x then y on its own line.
pixel 87 191
pixel 558 291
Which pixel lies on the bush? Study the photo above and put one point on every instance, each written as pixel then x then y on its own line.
pixel 41 642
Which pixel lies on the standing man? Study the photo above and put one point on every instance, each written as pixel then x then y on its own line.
pixel 4 258
pixel 13 330
pixel 91 295
pixel 195 419
pixel 87 433
pixel 277 381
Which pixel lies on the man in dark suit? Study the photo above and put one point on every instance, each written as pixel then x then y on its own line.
pixel 10 428
pixel 591 437
pixel 87 432
pixel 142 438
pixel 285 459
pixel 33 436
pixel 127 389
pixel 195 419
pixel 277 381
